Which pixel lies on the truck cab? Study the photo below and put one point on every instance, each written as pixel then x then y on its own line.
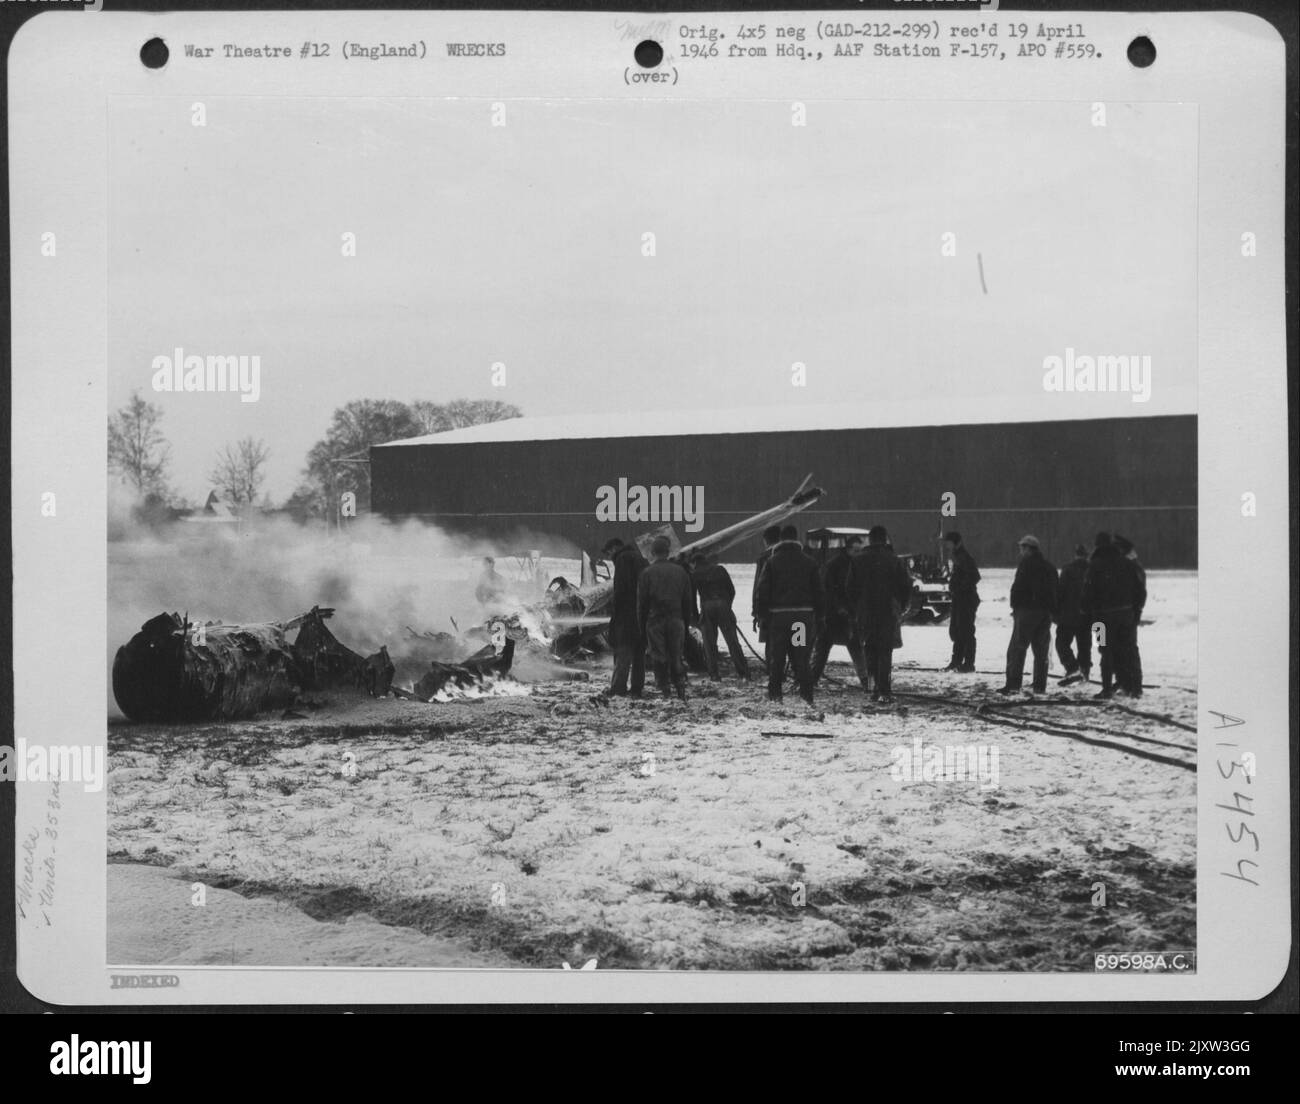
pixel 931 600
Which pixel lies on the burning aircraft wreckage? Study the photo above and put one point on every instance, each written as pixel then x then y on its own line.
pixel 178 670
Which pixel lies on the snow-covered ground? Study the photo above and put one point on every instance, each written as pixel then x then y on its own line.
pixel 723 833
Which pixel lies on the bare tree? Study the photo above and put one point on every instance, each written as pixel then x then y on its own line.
pixel 238 472
pixel 137 449
pixel 459 413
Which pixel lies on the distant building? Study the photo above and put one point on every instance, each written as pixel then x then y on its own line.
pixel 215 511
pixel 545 478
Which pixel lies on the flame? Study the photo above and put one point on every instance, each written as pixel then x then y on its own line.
pixel 490 688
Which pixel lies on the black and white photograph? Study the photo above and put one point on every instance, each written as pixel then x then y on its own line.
pixel 736 506
pixel 613 537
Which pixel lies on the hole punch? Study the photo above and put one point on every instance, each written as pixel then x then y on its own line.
pixel 1141 52
pixel 154 53
pixel 648 54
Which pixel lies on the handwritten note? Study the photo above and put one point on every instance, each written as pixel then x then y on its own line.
pixel 1245 763
pixel 39 850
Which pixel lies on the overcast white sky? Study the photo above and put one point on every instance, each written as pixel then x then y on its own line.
pixel 522 244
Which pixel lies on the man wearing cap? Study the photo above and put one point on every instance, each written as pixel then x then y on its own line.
pixel 1033 603
pixel 1072 629
pixel 790 602
pixel 665 604
pixel 880 587
pixel 963 577
pixel 715 592
pixel 1134 687
pixel 625 635
pixel 840 623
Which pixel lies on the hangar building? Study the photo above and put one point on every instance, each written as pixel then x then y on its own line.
pixel 548 482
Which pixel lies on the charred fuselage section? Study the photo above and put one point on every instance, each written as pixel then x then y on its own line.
pixel 174 669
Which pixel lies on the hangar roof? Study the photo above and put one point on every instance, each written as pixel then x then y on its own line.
pixel 1041 406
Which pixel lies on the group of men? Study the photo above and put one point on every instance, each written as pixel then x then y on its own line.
pixel 800 610
pixel 1101 592
pixel 652 606
pixel 858 599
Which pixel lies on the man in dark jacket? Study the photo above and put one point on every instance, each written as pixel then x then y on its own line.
pixel 963 578
pixel 771 538
pixel 665 604
pixel 625 635
pixel 715 592
pixel 1072 628
pixel 1033 603
pixel 1125 546
pixel 880 588
pixel 1113 592
pixel 840 625
pixel 790 602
